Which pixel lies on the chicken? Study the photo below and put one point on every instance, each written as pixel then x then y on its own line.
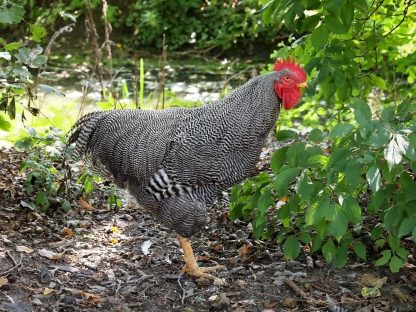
pixel 176 162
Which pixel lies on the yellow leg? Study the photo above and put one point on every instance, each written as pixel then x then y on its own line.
pixel 192 268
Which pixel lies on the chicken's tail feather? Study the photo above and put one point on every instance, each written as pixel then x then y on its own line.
pixel 81 132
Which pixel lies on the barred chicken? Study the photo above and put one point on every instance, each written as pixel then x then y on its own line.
pixel 177 161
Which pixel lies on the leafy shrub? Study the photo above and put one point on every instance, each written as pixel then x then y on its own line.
pixel 44 180
pixel 361 187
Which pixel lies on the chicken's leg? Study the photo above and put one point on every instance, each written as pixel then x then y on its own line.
pixel 192 268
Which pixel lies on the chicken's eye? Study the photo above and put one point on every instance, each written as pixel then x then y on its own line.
pixel 286 78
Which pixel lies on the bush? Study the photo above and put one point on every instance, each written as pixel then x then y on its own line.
pixel 357 189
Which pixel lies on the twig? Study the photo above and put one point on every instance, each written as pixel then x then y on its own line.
pixel 107 44
pixel 11 257
pixel 14 267
pixel 183 290
pixel 298 291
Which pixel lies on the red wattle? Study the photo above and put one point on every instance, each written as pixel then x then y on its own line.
pixel 290 98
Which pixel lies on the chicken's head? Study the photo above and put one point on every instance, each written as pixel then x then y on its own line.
pixel 291 79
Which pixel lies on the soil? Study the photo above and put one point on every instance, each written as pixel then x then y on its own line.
pixel 97 259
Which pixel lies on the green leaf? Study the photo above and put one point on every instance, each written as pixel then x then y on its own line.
pixel 310 22
pixel 341 130
pixel 360 249
pixel 341 256
pixel 4 124
pixel 318 210
pixel 338 224
pixel 385 257
pixel 12 46
pixel 347 14
pixel 265 201
pixel 38 32
pixel 378 81
pixel 305 188
pixel 329 250
pixel 351 210
pixel 316 135
pixel 393 216
pixel 395 149
pixel 334 25
pixel 295 153
pixel 374 178
pixel 284 135
pixel 278 159
pixel 396 264
pixel 414 234
pixel 41 199
pixel 406 226
pixel 284 178
pixel 338 159
pixel 320 37
pixel 318 161
pixel 11 13
pixel 362 112
pixel 65 205
pixel 361 5
pixel 380 136
pixel 11 108
pixel 291 247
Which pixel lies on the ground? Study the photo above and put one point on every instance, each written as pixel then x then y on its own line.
pixel 96 259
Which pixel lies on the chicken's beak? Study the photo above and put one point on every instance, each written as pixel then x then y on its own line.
pixel 302 84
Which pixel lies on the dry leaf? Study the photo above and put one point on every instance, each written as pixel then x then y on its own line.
pixel 145 247
pixel 85 205
pixel 373 281
pixel 370 292
pixel 92 298
pixel 50 254
pixel 68 233
pixel 245 250
pixel 204 258
pixel 24 249
pixel 3 281
pixel 47 291
pixel 114 229
pixel 401 296
pixel 114 241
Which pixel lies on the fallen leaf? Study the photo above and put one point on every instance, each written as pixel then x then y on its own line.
pixel 114 241
pixel 145 247
pixel 24 249
pixel 47 291
pixel 50 254
pixel 245 250
pixel 289 303
pixel 401 296
pixel 204 258
pixel 114 229
pixel 370 292
pixel 3 281
pixel 85 205
pixel 68 233
pixel 373 281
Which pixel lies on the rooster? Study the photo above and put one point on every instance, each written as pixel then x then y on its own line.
pixel 176 162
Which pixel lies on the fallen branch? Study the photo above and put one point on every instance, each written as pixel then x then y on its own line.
pixel 298 291
pixel 16 265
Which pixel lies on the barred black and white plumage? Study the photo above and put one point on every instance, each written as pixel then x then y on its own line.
pixel 177 161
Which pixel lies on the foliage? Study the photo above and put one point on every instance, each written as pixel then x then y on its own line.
pixel 223 25
pixel 360 183
pixel 44 181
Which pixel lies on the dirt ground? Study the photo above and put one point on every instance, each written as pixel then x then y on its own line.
pixel 96 259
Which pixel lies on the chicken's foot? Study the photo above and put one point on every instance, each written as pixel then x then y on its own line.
pixel 192 268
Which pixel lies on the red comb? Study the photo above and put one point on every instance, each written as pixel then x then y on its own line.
pixel 291 65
